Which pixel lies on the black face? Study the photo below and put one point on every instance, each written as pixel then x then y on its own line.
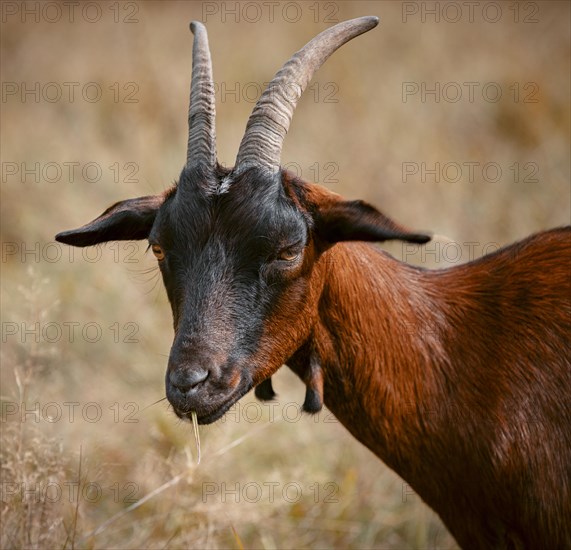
pixel 240 263
pixel 226 259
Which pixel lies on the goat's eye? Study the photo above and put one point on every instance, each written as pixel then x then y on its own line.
pixel 158 252
pixel 288 255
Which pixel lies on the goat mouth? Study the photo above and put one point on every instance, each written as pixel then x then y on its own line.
pixel 212 414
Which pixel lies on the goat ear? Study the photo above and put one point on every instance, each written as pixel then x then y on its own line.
pixel 339 220
pixel 124 221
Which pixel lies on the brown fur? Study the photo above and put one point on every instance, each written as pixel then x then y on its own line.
pixel 458 379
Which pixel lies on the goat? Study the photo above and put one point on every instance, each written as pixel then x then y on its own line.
pixel 458 379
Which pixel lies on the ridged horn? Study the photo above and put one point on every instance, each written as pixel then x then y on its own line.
pixel 202 110
pixel 269 122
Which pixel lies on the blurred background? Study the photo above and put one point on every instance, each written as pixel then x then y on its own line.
pixel 448 118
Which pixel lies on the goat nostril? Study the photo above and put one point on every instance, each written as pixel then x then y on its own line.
pixel 197 376
pixel 187 380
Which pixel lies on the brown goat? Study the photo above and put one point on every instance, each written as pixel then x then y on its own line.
pixel 458 379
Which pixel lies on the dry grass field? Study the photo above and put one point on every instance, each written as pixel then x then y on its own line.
pixel 94 111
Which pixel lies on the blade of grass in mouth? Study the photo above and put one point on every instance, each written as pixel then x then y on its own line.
pixel 196 434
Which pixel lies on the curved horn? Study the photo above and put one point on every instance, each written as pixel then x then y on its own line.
pixel 269 122
pixel 201 112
